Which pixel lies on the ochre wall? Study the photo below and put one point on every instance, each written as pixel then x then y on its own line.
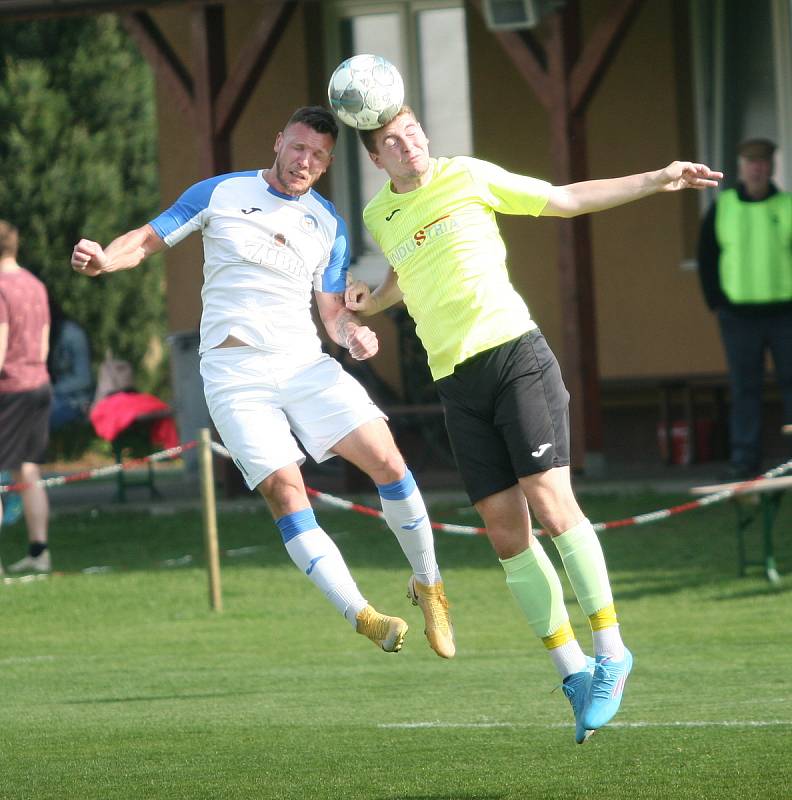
pixel 651 317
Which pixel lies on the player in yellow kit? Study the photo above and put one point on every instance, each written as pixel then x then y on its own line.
pixel 505 403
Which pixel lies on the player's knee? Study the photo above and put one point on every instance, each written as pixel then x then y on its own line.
pixel 388 468
pixel 284 494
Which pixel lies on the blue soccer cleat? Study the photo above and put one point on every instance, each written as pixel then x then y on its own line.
pixel 577 688
pixel 607 689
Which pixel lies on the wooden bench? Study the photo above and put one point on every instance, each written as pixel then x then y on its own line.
pixel 751 499
pixel 137 438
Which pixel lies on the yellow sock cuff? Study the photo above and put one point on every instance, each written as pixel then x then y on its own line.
pixel 560 636
pixel 604 618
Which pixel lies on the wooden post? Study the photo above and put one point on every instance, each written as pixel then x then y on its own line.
pixel 210 520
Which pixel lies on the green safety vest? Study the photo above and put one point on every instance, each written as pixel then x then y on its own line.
pixel 755 239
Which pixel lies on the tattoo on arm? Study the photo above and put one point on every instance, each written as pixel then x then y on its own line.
pixel 346 322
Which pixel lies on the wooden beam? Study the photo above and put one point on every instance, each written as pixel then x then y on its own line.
pixel 209 65
pixel 576 281
pixel 599 52
pixel 256 54
pixel 166 64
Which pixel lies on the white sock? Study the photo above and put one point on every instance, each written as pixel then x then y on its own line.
pixel 608 643
pixel 568 659
pixel 406 515
pixel 315 554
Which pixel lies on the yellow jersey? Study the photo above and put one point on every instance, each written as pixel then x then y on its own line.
pixel 443 242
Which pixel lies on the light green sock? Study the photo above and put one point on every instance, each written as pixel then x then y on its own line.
pixel 533 581
pixel 584 563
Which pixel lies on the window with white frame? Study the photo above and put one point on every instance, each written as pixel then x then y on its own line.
pixel 426 40
pixel 743 74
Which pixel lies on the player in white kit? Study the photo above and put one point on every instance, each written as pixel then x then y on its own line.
pixel 269 240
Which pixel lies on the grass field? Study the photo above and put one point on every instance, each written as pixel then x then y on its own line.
pixel 124 685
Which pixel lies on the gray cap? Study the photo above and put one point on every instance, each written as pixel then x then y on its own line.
pixel 756 149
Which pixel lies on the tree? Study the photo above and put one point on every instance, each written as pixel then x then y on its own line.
pixel 78 158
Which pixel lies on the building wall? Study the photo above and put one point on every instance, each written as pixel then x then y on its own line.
pixel 651 318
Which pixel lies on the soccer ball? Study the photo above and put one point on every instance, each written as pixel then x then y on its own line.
pixel 366 91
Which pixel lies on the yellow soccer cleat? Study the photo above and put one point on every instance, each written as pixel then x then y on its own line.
pixel 386 632
pixel 439 629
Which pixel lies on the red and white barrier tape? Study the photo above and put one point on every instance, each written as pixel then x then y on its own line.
pixel 348 505
pixel 467 530
pixel 102 472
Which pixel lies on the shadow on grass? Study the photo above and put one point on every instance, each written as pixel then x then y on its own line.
pixel 767 590
pixel 672 555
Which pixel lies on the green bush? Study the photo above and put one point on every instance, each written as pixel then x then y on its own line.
pixel 78 159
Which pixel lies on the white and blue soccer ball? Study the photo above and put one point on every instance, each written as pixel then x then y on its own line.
pixel 366 91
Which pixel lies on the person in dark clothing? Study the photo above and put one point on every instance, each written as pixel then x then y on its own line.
pixel 69 366
pixel 745 267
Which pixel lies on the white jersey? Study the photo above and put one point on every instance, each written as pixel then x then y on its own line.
pixel 264 252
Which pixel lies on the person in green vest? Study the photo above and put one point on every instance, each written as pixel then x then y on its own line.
pixel 745 267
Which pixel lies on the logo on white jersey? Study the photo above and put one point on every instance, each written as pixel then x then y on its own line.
pixel 276 254
pixel 309 223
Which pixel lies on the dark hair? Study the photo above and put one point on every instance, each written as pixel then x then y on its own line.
pixel 367 137
pixel 9 239
pixel 316 117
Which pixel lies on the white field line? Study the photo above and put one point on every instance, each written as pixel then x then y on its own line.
pixel 24 660
pixel 725 723
pixel 6 580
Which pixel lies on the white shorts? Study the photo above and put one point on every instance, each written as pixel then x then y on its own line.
pixel 259 403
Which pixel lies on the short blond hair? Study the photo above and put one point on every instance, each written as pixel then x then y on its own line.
pixel 367 137
pixel 9 239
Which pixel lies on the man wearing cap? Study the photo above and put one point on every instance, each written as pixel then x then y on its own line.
pixel 745 266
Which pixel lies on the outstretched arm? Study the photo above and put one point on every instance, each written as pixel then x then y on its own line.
pixel 589 196
pixel 125 252
pixel 360 298
pixel 344 328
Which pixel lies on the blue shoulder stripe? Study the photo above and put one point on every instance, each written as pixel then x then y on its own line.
pixel 191 203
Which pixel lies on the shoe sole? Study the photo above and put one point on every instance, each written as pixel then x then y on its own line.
pixel 28 571
pixel 588 735
pixel 397 642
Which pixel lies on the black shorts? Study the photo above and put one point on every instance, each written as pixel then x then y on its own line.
pixel 507 415
pixel 24 427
